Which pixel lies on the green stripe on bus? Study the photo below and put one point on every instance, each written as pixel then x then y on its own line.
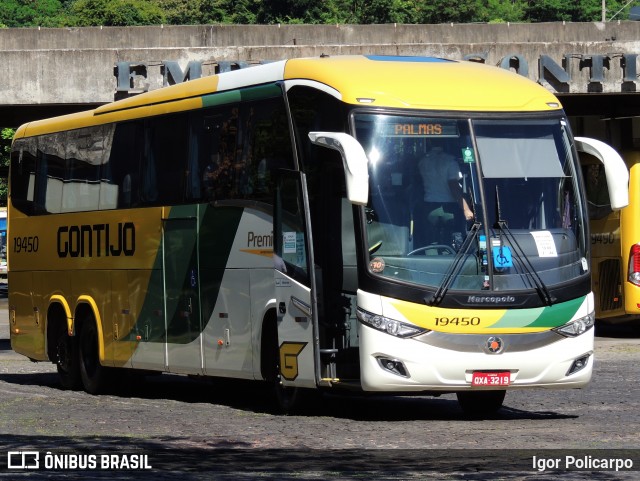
pixel 261 92
pixel 234 96
pixel 221 98
pixel 558 314
pixel 552 316
pixel 187 300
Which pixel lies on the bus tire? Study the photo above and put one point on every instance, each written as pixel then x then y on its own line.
pixel 67 361
pixel 283 399
pixel 478 404
pixel 96 378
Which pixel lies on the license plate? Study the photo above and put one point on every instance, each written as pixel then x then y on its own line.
pixel 502 378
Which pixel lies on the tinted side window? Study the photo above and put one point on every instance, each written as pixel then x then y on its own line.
pixel 85 154
pixel 23 174
pixel 122 167
pixel 595 182
pixel 166 148
pixel 218 139
pixel 267 147
pixel 50 171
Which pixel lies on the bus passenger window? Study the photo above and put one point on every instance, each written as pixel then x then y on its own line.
pixel 595 182
pixel 50 169
pixel 217 148
pixel 164 172
pixel 23 174
pixel 81 190
pixel 123 165
pixel 267 148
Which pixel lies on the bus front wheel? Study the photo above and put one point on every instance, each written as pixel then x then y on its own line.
pixel 284 399
pixel 480 403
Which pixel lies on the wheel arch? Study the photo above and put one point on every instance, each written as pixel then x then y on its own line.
pixel 58 319
pixel 269 344
pixel 87 311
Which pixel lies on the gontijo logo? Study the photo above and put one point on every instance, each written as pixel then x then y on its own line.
pixel 97 240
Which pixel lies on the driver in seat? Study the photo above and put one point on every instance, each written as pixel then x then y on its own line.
pixel 444 209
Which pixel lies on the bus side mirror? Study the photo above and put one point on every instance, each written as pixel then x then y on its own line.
pixel 614 168
pixel 354 161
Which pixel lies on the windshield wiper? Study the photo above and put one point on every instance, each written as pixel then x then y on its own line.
pixel 522 257
pixel 454 267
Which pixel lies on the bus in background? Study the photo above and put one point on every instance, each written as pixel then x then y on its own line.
pixel 390 224
pixel 3 242
pixel 615 243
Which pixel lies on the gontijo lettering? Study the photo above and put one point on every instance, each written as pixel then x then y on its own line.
pixel 96 240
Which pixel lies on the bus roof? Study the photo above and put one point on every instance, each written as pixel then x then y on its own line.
pixel 378 81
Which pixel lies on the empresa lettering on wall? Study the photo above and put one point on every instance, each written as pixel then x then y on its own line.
pixel 558 75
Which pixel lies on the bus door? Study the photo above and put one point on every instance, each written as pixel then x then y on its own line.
pixel 181 290
pixel 295 282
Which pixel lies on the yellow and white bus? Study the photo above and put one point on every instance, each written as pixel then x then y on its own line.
pixel 390 224
pixel 615 243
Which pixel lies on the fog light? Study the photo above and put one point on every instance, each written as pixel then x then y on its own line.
pixel 393 366
pixel 579 364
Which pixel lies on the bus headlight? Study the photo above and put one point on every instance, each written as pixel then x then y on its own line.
pixel 390 326
pixel 578 326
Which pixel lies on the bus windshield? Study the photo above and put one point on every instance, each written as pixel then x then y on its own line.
pixel 473 204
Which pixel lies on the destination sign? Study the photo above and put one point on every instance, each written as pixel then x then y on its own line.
pixel 421 128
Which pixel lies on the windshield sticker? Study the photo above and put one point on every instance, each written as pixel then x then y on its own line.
pixel 468 156
pixel 377 265
pixel 288 242
pixel 502 257
pixel 545 243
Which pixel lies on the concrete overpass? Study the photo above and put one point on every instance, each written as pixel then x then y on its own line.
pixel 592 67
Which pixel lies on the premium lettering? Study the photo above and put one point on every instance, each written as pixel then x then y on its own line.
pixel 97 240
pixel 259 240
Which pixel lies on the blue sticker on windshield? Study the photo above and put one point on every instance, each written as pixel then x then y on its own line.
pixel 502 257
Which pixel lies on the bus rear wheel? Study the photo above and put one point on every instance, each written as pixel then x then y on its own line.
pixel 479 404
pixel 95 377
pixel 67 361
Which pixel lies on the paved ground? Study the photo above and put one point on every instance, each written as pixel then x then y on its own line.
pixel 192 429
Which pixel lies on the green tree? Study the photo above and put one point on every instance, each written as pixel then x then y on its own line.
pixel 385 11
pixel 194 12
pixel 445 11
pixel 6 135
pixel 32 13
pixel 574 11
pixel 591 10
pixel 498 11
pixel 292 11
pixel 117 12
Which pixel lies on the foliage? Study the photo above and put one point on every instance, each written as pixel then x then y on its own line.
pixel 116 12
pixel 63 13
pixel 5 152
pixel 60 13
pixel 500 11
pixel 26 13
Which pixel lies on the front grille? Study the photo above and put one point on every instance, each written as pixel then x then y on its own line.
pixel 609 282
